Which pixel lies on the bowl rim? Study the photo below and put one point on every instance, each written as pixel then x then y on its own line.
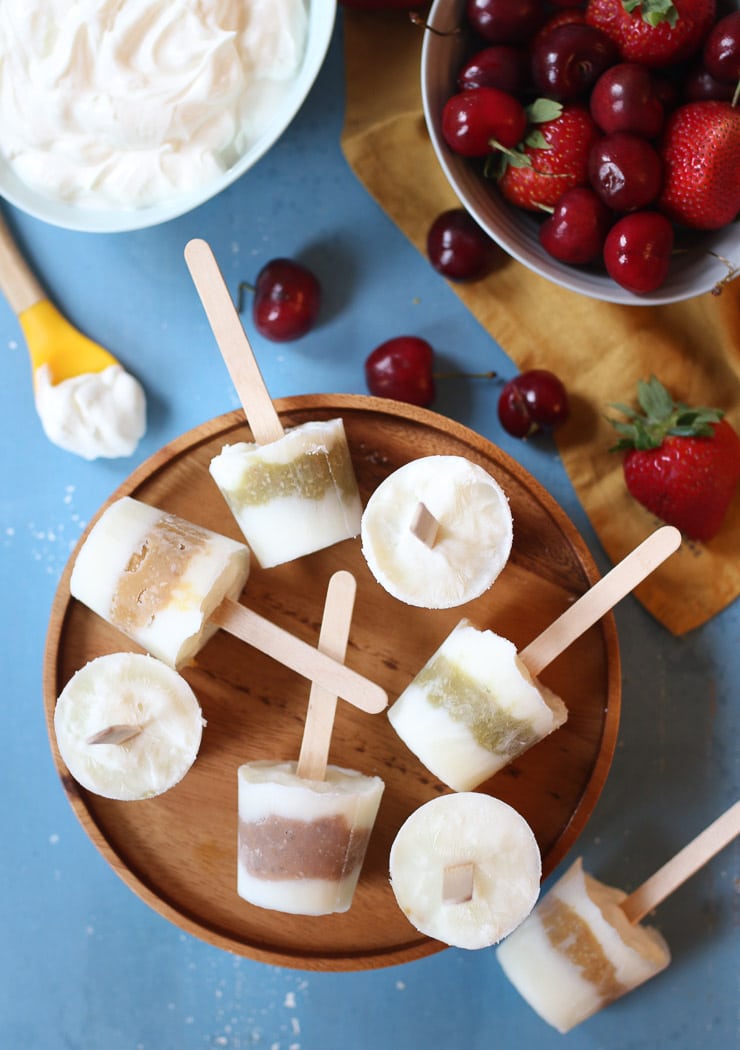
pixel 321 15
pixel 463 181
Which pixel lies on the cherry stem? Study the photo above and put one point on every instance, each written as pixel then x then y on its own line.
pixel 416 19
pixel 244 286
pixel 465 375
pixel 736 95
pixel 732 272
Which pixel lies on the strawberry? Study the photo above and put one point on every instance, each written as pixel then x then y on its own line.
pixel 552 159
pixel 682 464
pixel 653 32
pixel 700 150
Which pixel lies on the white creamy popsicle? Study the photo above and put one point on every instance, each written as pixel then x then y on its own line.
pixel 477 703
pixel 157 577
pixel 577 951
pixel 292 496
pixel 465 869
pixel 127 726
pixel 302 842
pixel 584 944
pixel 292 491
pixel 473 707
pixel 437 532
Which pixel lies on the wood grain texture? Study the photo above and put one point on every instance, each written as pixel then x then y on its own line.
pixel 178 851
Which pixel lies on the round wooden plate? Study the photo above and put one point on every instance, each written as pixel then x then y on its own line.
pixel 178 851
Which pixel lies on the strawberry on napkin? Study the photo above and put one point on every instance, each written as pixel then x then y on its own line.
pixel 600 350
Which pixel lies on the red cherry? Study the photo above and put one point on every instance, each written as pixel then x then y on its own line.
pixel 475 121
pixel 457 247
pixel 625 170
pixel 637 251
pixel 499 66
pixel 534 400
pixel 287 299
pixel 577 228
pixel 401 369
pixel 569 59
pixel 505 21
pixel 625 98
pixel 721 50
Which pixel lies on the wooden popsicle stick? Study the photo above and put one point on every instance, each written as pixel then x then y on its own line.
pixel 322 705
pixel 117 734
pixel 299 656
pixel 681 867
pixel 424 525
pixel 232 341
pixel 600 598
pixel 457 883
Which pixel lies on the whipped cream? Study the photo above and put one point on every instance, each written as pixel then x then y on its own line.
pixel 123 103
pixel 95 415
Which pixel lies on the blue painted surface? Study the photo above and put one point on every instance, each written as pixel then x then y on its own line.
pixel 84 964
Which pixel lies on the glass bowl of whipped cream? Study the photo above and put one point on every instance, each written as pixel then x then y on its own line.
pixel 121 114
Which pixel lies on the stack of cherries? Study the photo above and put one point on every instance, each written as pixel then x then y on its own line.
pixel 618 119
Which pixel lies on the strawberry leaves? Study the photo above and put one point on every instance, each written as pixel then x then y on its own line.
pixel 660 416
pixel 538 112
pixel 653 11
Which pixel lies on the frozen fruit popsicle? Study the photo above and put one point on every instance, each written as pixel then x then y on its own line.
pixel 583 945
pixel 127 726
pixel 437 532
pixel 292 492
pixel 477 704
pixel 169 584
pixel 465 869
pixel 304 826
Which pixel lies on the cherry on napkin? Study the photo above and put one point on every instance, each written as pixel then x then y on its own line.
pixel 598 349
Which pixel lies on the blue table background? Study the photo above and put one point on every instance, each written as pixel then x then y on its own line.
pixel 84 964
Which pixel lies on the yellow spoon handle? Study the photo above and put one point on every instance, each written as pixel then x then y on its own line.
pixel 17 282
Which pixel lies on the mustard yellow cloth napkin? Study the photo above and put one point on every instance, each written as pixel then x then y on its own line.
pixel 599 350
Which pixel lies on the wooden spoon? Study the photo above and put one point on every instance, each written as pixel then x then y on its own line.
pixel 50 338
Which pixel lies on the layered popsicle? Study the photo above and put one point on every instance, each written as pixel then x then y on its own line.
pixel 584 945
pixel 437 532
pixel 292 496
pixel 577 951
pixel 292 492
pixel 127 726
pixel 477 703
pixel 302 842
pixel 157 577
pixel 465 869
pixel 473 707
pixel 169 584
pixel 304 826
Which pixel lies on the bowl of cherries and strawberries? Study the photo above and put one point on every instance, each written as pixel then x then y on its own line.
pixel 597 142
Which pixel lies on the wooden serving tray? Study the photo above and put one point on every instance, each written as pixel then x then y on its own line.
pixel 178 851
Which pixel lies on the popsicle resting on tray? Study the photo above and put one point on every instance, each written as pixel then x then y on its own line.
pixel 127 726
pixel 437 531
pixel 583 946
pixel 169 585
pixel 304 826
pixel 465 869
pixel 292 492
pixel 476 704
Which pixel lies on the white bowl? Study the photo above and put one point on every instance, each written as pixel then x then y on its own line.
pixel 692 273
pixel 322 15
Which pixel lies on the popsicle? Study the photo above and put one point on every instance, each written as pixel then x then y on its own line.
pixel 127 726
pixel 477 704
pixel 304 826
pixel 583 946
pixel 169 584
pixel 465 869
pixel 291 492
pixel 437 532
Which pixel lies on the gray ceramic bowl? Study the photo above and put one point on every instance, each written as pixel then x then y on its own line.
pixel 692 273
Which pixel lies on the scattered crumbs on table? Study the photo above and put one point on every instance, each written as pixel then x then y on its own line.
pixel 289 1000
pixel 53 839
pixel 400 986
